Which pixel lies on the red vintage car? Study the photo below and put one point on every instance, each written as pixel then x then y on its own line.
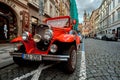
pixel 53 41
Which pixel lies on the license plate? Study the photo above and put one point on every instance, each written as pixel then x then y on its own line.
pixel 32 57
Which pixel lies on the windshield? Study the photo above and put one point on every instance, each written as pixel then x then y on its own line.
pixel 59 23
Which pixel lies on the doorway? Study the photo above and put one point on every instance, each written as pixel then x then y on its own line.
pixel 8 23
pixel 4 28
pixel 118 32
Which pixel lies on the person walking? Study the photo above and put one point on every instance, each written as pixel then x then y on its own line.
pixel 5 30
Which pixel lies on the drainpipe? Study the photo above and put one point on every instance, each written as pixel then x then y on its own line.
pixel 41 9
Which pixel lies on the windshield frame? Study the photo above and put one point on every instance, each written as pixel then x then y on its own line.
pixel 55 22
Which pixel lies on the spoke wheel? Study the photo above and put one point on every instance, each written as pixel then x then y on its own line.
pixel 71 63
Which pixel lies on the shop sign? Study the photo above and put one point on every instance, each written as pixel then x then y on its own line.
pixel 9 2
pixel 25 21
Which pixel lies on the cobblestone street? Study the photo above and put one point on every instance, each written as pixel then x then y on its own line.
pixel 102 60
pixel 102 63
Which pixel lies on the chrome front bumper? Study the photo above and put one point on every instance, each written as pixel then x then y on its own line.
pixel 43 57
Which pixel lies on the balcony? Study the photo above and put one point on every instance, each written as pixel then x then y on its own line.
pixel 34 3
pixel 47 14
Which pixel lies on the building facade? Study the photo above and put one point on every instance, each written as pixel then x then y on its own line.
pixel 97 20
pixel 110 17
pixel 54 8
pixel 17 16
pixel 86 24
pixel 64 7
pixel 80 27
pixel 11 18
pixel 94 19
pixel 33 7
pixel 104 17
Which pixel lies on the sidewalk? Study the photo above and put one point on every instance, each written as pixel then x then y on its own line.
pixel 5 58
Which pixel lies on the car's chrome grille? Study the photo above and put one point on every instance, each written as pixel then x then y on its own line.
pixel 42 45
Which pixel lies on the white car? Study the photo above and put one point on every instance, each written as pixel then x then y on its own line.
pixel 99 36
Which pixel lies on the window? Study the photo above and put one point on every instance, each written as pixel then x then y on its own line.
pixel 118 13
pixel 113 17
pixel 113 3
pixel 109 7
pixel 110 19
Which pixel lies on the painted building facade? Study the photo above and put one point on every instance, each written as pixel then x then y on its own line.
pixel 110 17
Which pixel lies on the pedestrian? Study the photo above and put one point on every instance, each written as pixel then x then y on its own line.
pixel 5 30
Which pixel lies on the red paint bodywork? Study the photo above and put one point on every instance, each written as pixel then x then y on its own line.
pixel 59 34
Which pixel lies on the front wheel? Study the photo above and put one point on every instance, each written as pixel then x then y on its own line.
pixel 71 63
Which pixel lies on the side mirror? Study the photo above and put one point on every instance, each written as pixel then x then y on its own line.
pixel 74 22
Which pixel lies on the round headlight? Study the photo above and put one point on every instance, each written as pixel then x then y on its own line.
pixel 37 38
pixel 53 48
pixel 47 37
pixel 25 36
pixel 48 34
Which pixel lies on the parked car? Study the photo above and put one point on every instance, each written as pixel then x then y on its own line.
pixel 99 36
pixel 53 41
pixel 111 36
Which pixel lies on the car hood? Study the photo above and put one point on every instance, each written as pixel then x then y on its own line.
pixel 60 31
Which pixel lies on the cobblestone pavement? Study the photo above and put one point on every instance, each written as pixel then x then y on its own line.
pixel 102 63
pixel 102 60
pixel 5 58
pixel 5 48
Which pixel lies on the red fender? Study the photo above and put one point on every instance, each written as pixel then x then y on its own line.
pixel 66 38
pixel 77 40
pixel 29 45
pixel 18 39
